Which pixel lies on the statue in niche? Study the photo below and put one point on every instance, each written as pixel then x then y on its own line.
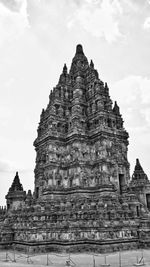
pixel 43 158
pixel 58 176
pixel 77 179
pixel 65 182
pixel 53 156
pixel 71 181
pixel 50 147
pixel 84 182
pixel 50 179
pixel 92 180
pixel 54 126
pixel 97 177
pixel 50 156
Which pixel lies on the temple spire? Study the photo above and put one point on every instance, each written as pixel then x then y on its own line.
pixel 16 185
pixel 79 63
pixel 65 69
pixel 138 166
pixel 116 109
pixel 139 173
pixel 91 64
pixel 15 195
pixel 63 76
pixel 79 49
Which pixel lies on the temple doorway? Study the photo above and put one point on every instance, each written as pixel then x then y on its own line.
pixel 37 192
pixel 137 211
pixel 121 182
pixel 148 201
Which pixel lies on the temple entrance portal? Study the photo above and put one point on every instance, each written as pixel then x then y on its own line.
pixel 121 182
pixel 148 201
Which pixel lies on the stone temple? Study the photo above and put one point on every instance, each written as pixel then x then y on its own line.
pixel 84 198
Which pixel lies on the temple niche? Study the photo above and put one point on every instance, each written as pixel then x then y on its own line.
pixel 84 198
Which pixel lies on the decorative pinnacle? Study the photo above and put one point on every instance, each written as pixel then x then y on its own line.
pixel 92 64
pixel 106 86
pixel 138 165
pixel 116 109
pixel 16 185
pixel 79 49
pixel 16 178
pixel 65 69
pixel 139 174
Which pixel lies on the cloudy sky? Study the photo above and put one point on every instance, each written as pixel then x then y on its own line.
pixel 37 37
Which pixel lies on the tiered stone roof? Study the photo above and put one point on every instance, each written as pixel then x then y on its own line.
pixel 16 185
pixel 15 193
pixel 139 177
pixel 81 199
pixel 80 132
pixel 79 99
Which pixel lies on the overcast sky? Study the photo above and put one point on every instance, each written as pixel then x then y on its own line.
pixel 37 37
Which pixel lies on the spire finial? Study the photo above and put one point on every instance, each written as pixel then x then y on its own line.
pixel 92 64
pixel 116 109
pixel 16 185
pixel 106 87
pixel 79 49
pixel 139 172
pixel 138 165
pixel 65 69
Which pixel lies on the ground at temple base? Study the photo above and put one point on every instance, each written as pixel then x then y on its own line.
pixel 123 259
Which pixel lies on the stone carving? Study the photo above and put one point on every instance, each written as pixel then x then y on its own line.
pixel 82 190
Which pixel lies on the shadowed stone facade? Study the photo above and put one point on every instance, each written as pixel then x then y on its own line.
pixel 81 141
pixel 83 198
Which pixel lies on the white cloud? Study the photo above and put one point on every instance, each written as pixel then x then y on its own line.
pixel 6 166
pixel 99 18
pixel 146 24
pixel 133 94
pixel 5 113
pixel 13 23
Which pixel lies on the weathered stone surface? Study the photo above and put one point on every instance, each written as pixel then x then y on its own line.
pixel 16 196
pixel 83 195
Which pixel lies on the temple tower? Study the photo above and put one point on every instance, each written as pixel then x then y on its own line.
pixel 81 140
pixel 83 198
pixel 140 185
pixel 16 195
